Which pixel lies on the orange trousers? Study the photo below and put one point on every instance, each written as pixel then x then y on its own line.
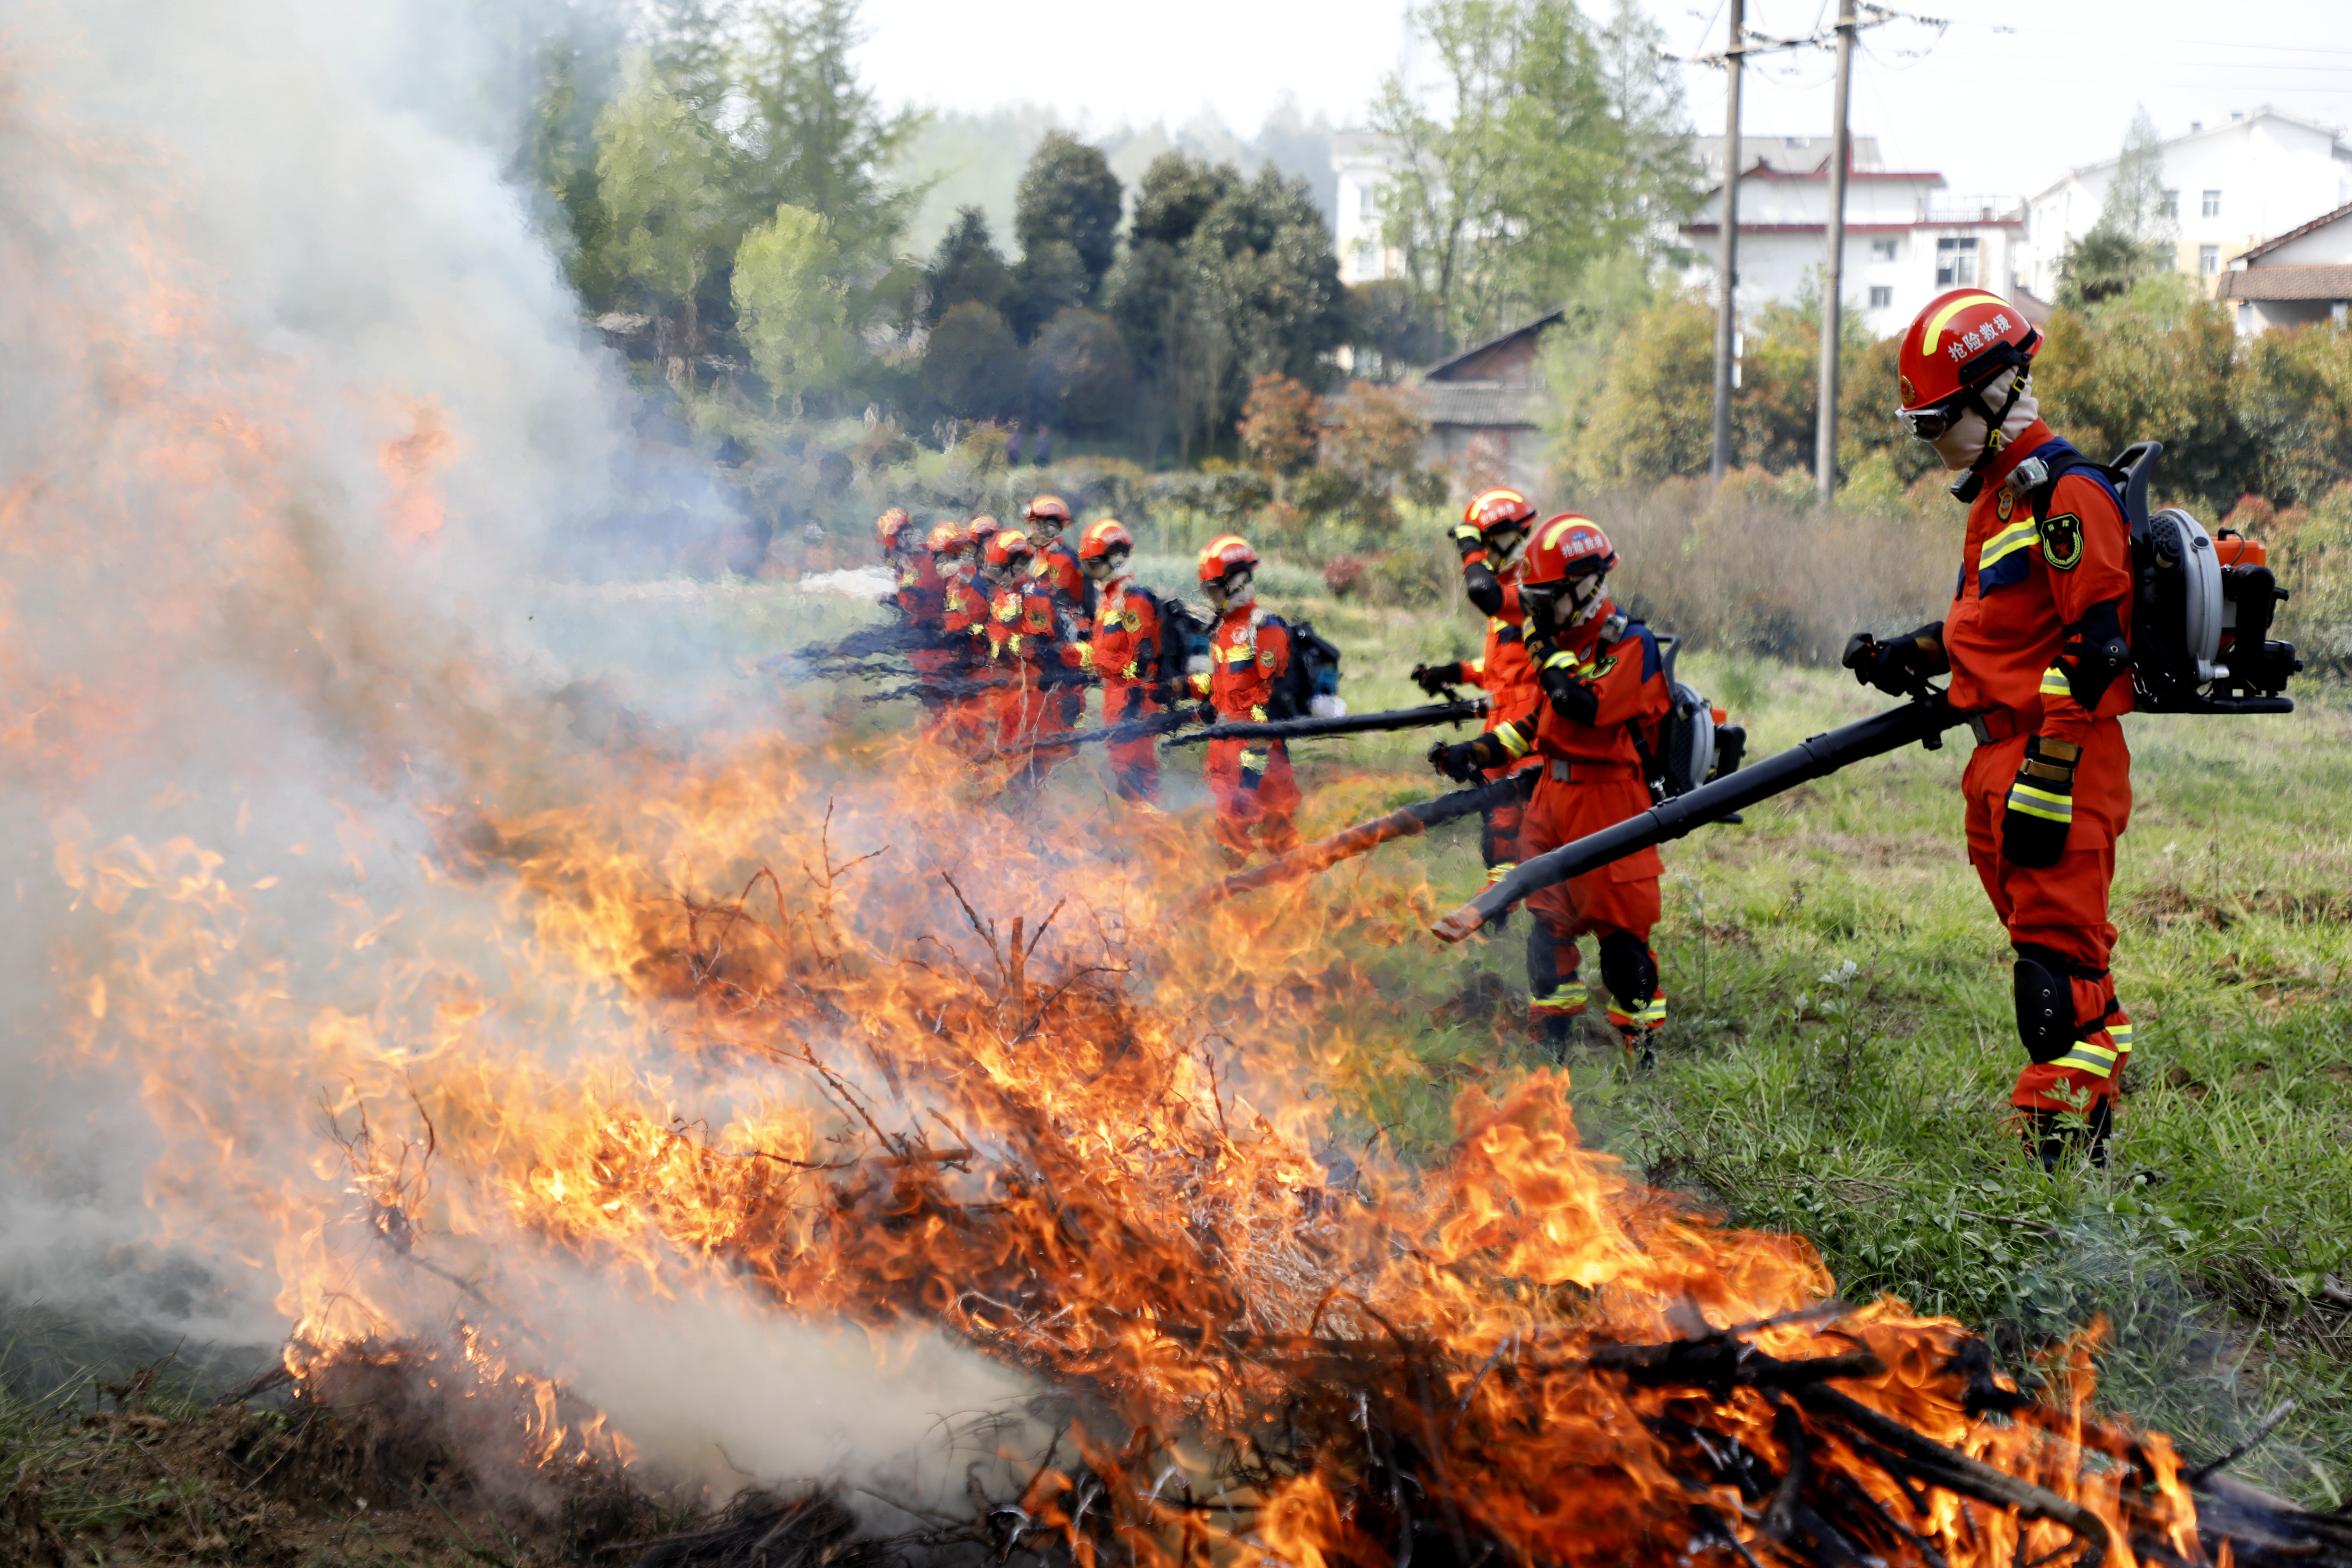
pixel 2061 907
pixel 1262 812
pixel 1134 765
pixel 1620 896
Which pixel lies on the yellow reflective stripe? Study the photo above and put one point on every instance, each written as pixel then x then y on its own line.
pixel 2041 803
pixel 1254 761
pixel 2091 1058
pixel 1567 994
pixel 1563 660
pixel 1935 325
pixel 1513 741
pixel 1500 869
pixel 1257 714
pixel 2054 682
pixel 1475 665
pixel 1650 1014
pixel 2122 1035
pixel 2007 543
pixel 1085 655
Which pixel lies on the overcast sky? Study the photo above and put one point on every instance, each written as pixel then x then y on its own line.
pixel 1995 111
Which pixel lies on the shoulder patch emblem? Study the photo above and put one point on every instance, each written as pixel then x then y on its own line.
pixel 1595 671
pixel 2062 542
pixel 2004 504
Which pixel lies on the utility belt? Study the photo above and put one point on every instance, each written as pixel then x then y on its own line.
pixel 1999 724
pixel 1566 770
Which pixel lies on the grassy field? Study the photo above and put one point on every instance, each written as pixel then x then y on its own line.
pixel 1841 1045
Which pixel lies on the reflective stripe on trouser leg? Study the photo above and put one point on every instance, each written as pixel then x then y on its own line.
pixel 1649 1015
pixel 1552 994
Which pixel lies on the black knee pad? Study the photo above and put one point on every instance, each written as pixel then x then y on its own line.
pixel 2045 1002
pixel 1543 960
pixel 1628 968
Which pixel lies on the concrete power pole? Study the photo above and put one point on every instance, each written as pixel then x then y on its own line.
pixel 1728 269
pixel 1834 267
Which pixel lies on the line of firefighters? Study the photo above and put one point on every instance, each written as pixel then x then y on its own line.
pixel 2034 642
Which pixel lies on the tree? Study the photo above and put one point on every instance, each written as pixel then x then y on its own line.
pixel 1070 195
pixel 2133 236
pixel 1654 415
pixel 2294 398
pixel 2157 364
pixel 1081 376
pixel 1543 155
pixel 790 312
pixel 1278 423
pixel 661 178
pixel 967 266
pixel 1378 434
pixel 972 365
pixel 1390 325
pixel 813 135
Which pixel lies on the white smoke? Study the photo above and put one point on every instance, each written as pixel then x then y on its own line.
pixel 246 247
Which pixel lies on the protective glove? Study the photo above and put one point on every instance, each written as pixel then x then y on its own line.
pixel 1460 762
pixel 1467 539
pixel 1435 678
pixel 1482 588
pixel 1205 714
pixel 1897 667
pixel 1253 761
pixel 2040 803
pixel 1572 696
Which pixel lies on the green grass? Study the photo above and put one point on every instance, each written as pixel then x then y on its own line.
pixel 1864 1108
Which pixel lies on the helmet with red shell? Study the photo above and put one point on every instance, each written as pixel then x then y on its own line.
pixel 892 525
pixel 1102 536
pixel 945 538
pixel 1051 513
pixel 1499 507
pixel 1963 339
pixel 979 531
pixel 1567 546
pixel 1007 545
pixel 1227 553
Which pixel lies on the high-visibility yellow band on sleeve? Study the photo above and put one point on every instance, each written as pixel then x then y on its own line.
pixel 2091 1057
pixel 2007 543
pixel 2055 683
pixel 2047 805
pixel 1513 740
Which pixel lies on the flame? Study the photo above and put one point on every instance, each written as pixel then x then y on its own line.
pixel 801 1017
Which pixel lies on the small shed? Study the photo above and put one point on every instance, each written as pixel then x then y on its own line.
pixel 1481 409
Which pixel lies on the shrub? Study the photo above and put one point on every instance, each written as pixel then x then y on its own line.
pixel 1344 575
pixel 1081 376
pixel 2314 563
pixel 972 366
pixel 1278 423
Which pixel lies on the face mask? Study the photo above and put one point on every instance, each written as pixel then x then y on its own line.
pixel 1586 598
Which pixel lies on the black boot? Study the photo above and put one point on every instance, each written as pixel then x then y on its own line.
pixel 2051 1135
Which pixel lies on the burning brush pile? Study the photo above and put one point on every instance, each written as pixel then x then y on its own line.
pixel 1091 1157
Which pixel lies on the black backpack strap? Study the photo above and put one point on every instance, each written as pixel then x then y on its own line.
pixel 2064 461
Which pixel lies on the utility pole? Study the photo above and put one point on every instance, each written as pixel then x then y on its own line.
pixel 1834 267
pixel 1727 267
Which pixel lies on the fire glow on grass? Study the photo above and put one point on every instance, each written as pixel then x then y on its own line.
pixel 466 1009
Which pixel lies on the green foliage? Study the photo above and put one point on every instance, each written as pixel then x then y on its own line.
pixel 974 368
pixel 2158 362
pixel 1654 412
pixel 1081 376
pixel 2294 403
pixel 1070 195
pixel 1390 327
pixel 1545 154
pixel 661 179
pixel 2133 238
pixel 2313 561
pixel 789 311
pixel 967 266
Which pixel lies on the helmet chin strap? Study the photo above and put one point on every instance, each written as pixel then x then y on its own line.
pixel 1994 439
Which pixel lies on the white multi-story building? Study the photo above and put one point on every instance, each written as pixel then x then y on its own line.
pixel 1365 163
pixel 1907 238
pixel 2303 276
pixel 2226 184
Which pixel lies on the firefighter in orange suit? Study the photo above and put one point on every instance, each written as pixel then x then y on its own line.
pixel 1042 520
pixel 1605 696
pixel 1123 649
pixel 1025 638
pixel 920 593
pixel 1250 779
pixel 1494 527
pixel 2037 642
pixel 966 723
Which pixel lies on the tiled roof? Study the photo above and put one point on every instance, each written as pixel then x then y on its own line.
pixel 2322 221
pixel 2330 282
pixel 1478 404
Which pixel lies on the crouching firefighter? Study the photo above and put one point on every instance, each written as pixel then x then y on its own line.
pixel 1493 529
pixel 1124 649
pixel 1604 693
pixel 1249 650
pixel 2037 645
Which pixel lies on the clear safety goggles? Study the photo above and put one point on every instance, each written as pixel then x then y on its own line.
pixel 1930 422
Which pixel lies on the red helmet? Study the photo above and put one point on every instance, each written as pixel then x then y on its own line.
pixel 945 537
pixel 890 525
pixel 1051 511
pixel 1566 547
pixel 1226 552
pixel 1004 543
pixel 1102 536
pixel 1962 340
pixel 1500 507
pixel 979 531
